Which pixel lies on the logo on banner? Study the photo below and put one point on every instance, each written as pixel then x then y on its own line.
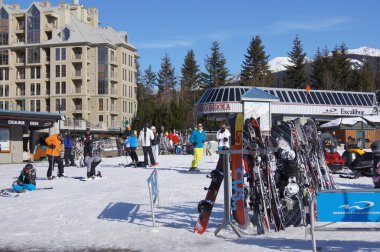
pixel 360 205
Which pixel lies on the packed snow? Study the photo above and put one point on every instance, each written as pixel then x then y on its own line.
pixel 113 213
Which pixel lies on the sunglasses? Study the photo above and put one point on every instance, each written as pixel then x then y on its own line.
pixel 200 126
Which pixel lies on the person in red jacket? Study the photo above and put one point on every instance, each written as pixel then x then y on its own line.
pixel 176 139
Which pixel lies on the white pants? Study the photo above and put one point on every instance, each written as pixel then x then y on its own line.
pixel 155 151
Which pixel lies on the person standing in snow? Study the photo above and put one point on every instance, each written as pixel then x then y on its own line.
pixel 132 142
pixel 26 181
pixel 146 137
pixel 197 138
pixel 91 155
pixel 68 154
pixel 223 136
pixel 155 143
pixel 53 152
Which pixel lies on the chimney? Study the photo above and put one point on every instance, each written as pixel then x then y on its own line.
pixel 75 2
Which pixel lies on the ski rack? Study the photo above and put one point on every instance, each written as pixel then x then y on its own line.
pixel 227 194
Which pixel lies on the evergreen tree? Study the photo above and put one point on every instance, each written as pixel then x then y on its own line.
pixel 191 77
pixel 149 80
pixel 367 83
pixel 166 80
pixel 255 68
pixel 216 74
pixel 341 68
pixel 319 70
pixel 295 75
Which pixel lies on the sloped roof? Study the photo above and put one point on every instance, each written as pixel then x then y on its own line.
pixel 257 94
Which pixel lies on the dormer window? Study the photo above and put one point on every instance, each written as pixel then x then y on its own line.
pixel 65 34
pixel 126 38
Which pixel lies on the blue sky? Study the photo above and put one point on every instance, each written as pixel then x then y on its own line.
pixel 157 27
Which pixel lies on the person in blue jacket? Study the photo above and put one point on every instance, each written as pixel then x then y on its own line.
pixel 197 138
pixel 132 142
pixel 26 181
pixel 68 155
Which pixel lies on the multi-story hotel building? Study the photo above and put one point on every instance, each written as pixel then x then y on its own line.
pixel 58 59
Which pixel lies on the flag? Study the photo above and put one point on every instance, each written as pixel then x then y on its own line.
pixel 308 88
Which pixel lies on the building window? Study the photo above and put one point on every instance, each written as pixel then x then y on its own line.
pixel 63 87
pixel 57 71
pixel 33 23
pixel 32 106
pixel 32 89
pixel 6 90
pixel 60 54
pixel 38 89
pixel 33 55
pixel 101 104
pixel 35 72
pixel 5 142
pixel 102 70
pixel 38 106
pixel 57 88
pixel 4 27
pixel 60 105
pixel 101 119
pixel 3 57
pixel 65 34
pixel 4 74
pixel 63 71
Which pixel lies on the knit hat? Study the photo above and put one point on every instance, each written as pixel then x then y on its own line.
pixel 152 128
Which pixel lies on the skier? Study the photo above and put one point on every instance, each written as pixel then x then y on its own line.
pixel 26 181
pixel 91 156
pixel 197 138
pixel 223 136
pixel 68 155
pixel 53 152
pixel 155 142
pixel 119 144
pixel 176 139
pixel 146 137
pixel 132 142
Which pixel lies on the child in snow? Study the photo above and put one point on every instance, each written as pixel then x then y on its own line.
pixel 26 181
pixel 132 142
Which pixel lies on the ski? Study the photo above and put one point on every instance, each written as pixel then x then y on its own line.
pixel 205 206
pixel 238 199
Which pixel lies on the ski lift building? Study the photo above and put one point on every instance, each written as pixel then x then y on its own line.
pixel 286 104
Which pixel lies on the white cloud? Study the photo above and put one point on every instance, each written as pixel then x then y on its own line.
pixel 311 24
pixel 170 43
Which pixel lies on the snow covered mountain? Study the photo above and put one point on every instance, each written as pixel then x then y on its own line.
pixel 365 51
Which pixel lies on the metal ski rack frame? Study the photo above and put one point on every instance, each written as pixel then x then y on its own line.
pixel 227 193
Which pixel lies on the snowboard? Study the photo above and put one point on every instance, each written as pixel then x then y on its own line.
pixel 237 170
pixel 205 206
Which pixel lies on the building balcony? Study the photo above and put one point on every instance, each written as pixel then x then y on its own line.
pixel 20 60
pixel 77 57
pixel 20 93
pixel 78 108
pixel 50 26
pixel 20 76
pixel 77 90
pixel 114 91
pixel 78 74
pixel 113 60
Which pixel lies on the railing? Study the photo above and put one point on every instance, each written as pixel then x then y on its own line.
pixel 51 26
pixel 113 75
pixel 77 56
pixel 20 92
pixel 114 91
pixel 78 90
pixel 113 58
pixel 20 77
pixel 78 107
pixel 20 60
pixel 77 73
pixel 113 108
pixel 20 27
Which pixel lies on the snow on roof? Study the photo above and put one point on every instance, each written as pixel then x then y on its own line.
pixel 373 119
pixel 81 32
pixel 345 121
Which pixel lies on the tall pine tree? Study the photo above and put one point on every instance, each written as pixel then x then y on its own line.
pixel 341 69
pixel 295 75
pixel 166 80
pixel 255 68
pixel 377 75
pixel 319 69
pixel 149 80
pixel 367 82
pixel 216 74
pixel 191 77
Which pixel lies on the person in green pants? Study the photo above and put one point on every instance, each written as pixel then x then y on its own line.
pixel 197 138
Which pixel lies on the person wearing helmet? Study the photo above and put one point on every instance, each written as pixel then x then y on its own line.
pixel 26 181
pixel 91 153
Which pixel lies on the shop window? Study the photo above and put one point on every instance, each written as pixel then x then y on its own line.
pixel 5 143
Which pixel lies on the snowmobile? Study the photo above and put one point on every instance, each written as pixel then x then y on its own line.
pixel 356 159
pixel 333 159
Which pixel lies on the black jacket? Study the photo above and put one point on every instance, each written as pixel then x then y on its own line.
pixel 25 178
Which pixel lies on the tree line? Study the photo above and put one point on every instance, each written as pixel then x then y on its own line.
pixel 165 99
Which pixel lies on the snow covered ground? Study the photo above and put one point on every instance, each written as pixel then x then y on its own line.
pixel 113 214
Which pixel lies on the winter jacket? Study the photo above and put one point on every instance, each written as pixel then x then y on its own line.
pixel 156 139
pixel 54 145
pixel 146 136
pixel 26 178
pixel 132 141
pixel 197 138
pixel 222 136
pixel 67 142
